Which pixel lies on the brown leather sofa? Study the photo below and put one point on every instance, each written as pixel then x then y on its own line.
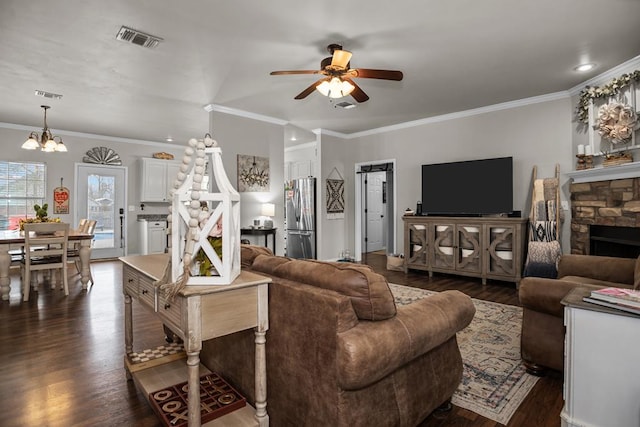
pixel 542 344
pixel 339 352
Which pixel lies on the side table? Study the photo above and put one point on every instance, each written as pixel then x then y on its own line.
pixel 261 232
pixel 199 313
pixel 602 349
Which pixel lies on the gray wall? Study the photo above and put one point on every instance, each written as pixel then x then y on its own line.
pixel 62 165
pixel 239 135
pixel 537 134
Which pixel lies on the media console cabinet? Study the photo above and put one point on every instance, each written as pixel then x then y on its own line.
pixel 489 248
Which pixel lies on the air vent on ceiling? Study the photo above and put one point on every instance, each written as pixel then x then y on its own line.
pixel 130 35
pixel 49 95
pixel 346 105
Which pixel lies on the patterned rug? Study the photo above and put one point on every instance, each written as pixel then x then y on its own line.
pixel 494 381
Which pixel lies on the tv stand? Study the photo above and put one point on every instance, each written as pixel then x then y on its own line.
pixel 485 247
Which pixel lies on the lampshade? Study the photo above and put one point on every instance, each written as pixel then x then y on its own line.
pixel 268 209
pixel 335 88
pixel 46 142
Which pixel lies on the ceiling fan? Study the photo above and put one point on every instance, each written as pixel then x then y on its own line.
pixel 338 81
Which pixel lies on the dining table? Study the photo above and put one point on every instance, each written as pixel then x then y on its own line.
pixel 14 239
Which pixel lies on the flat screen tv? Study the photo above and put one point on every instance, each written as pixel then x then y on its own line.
pixel 469 188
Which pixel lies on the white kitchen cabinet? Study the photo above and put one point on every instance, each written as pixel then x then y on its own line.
pixel 156 179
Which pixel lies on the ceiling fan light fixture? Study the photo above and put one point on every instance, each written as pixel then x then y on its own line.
pixel 335 88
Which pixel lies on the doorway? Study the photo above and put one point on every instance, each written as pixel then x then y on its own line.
pixel 101 196
pixel 375 207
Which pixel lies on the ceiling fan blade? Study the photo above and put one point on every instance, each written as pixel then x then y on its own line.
pixel 357 93
pixel 340 58
pixel 310 89
pixel 367 73
pixel 278 73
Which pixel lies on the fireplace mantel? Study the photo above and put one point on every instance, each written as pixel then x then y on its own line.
pixel 609 173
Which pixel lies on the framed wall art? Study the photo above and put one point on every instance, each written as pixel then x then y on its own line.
pixel 253 173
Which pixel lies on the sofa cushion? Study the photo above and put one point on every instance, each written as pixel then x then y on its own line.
pixel 249 252
pixel 369 292
pixel 596 282
pixel 268 263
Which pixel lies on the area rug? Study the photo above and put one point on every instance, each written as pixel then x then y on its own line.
pixel 494 381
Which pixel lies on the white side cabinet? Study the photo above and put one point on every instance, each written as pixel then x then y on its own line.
pixel 602 349
pixel 156 178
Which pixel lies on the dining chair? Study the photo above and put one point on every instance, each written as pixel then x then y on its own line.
pixel 45 248
pixel 87 226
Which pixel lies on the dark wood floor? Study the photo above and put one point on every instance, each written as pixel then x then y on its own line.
pixel 61 357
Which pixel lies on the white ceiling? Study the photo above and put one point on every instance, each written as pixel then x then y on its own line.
pixel 456 55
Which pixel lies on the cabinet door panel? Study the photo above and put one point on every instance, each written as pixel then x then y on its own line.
pixel 443 246
pixel 500 258
pixel 417 249
pixel 154 181
pixel 469 248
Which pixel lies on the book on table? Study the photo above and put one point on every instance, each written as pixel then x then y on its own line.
pixel 625 296
pixel 614 305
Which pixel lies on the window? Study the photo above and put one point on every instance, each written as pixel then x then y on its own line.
pixel 22 185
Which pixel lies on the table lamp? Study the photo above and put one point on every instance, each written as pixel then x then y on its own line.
pixel 268 210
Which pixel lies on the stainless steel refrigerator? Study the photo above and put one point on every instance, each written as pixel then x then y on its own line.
pixel 300 217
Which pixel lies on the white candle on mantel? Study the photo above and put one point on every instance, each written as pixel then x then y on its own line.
pixel 580 148
pixel 588 150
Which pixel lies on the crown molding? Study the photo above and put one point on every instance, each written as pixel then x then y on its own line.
pixel 467 113
pixel 84 135
pixel 246 114
pixel 625 67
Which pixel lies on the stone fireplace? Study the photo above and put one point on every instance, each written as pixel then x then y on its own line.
pixel 606 203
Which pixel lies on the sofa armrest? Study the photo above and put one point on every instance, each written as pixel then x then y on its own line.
pixel 544 295
pixel 609 269
pixel 372 350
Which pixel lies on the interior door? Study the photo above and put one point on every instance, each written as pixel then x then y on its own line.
pixel 375 211
pixel 101 196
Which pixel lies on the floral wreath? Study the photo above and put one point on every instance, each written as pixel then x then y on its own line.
pixel 616 122
pixel 610 89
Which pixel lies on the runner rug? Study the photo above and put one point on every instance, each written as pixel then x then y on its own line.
pixel 494 381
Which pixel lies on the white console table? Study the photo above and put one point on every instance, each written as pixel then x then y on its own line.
pixel 602 350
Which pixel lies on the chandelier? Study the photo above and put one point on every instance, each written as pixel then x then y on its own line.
pixel 46 142
pixel 254 176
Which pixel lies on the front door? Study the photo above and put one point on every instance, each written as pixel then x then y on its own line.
pixel 101 196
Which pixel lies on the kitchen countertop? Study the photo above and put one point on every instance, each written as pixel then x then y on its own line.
pixel 153 217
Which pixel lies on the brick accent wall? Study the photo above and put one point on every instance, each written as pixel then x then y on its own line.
pixel 614 203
